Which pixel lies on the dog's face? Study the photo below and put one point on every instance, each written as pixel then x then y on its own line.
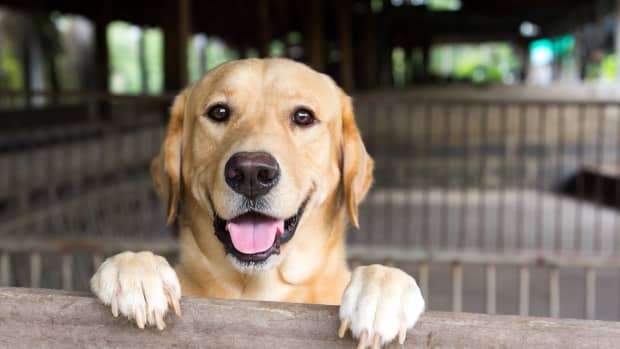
pixel 261 148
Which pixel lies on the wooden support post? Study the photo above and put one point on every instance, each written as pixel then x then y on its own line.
pixel 345 12
pixel 426 61
pixel 102 55
pixel 314 40
pixel 264 27
pixel 45 318
pixel 368 47
pixel 177 31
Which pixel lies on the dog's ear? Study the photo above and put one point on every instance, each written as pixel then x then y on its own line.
pixel 166 167
pixel 356 164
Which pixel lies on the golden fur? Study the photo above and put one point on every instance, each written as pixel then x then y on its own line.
pixel 326 163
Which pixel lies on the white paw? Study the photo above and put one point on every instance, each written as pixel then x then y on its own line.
pixel 378 304
pixel 140 286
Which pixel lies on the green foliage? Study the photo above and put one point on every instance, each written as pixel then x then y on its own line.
pixel 376 5
pixel 218 52
pixel 443 5
pixel 399 67
pixel 276 48
pixel 193 60
pixel 124 54
pixel 154 57
pixel 294 38
pixel 11 70
pixel 123 47
pixel 609 68
pixel 252 53
pixel 478 63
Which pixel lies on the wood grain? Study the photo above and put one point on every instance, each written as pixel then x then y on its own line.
pixel 32 318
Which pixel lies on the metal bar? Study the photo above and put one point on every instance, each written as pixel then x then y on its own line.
pixel 444 181
pixel 521 180
pixel 457 287
pixel 35 270
pixel 484 125
pixel 388 209
pixel 428 119
pixel 590 294
pixel 465 182
pixel 559 166
pixel 580 185
pixel 491 291
pixel 617 218
pixel 554 292
pixel 67 272
pixel 598 190
pixel 375 214
pixel 5 269
pixel 524 290
pixel 409 171
pixel 501 226
pixel 541 178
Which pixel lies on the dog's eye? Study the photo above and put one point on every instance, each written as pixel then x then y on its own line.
pixel 218 113
pixel 303 117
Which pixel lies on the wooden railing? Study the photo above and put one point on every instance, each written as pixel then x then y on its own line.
pixel 43 318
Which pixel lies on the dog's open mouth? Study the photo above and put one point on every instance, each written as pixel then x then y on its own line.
pixel 254 237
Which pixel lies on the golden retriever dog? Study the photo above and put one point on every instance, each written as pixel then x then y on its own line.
pixel 260 169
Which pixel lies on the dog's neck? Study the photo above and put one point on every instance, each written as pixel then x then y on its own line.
pixel 314 258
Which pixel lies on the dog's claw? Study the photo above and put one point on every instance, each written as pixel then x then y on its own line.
pixel 344 326
pixel 376 341
pixel 362 341
pixel 402 334
pixel 159 320
pixel 174 303
pixel 114 306
pixel 139 318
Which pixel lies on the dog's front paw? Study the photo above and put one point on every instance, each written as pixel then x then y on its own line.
pixel 379 303
pixel 140 286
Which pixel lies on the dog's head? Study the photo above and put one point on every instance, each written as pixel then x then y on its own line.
pixel 266 153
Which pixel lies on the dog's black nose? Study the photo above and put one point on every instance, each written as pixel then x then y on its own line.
pixel 252 173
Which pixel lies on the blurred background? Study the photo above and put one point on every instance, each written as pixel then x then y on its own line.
pixel 495 126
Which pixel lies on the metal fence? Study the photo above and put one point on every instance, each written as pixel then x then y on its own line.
pixel 508 206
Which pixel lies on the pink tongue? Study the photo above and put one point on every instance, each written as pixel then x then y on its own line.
pixel 252 234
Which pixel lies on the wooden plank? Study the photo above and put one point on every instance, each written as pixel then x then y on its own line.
pixel 5 269
pixel 554 292
pixel 524 291
pixel 510 258
pixel 35 269
pixel 491 289
pixel 457 287
pixel 35 318
pixel 590 286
